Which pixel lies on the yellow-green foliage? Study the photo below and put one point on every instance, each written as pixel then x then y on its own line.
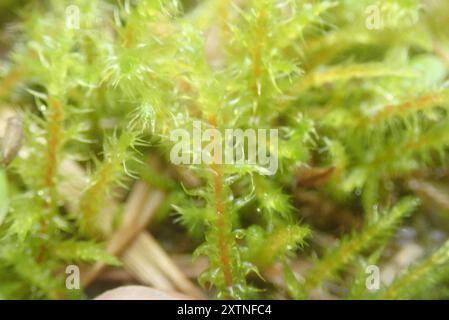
pixel 368 101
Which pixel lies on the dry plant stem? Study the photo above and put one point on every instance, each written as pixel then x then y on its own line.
pixel 188 178
pixel 428 190
pixel 310 177
pixel 140 265
pixel 12 140
pixel 144 258
pixel 73 181
pixel 140 293
pixel 192 269
pixel 151 264
pixel 141 207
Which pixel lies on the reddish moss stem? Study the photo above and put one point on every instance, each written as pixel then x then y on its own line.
pixel 53 145
pixel 221 224
pixel 219 208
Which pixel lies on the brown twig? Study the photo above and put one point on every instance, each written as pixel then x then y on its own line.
pixel 429 191
pixel 152 266
pixel 140 208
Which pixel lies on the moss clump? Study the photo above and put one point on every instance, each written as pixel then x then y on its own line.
pixel 357 90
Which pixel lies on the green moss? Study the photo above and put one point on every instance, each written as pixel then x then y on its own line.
pixel 368 101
